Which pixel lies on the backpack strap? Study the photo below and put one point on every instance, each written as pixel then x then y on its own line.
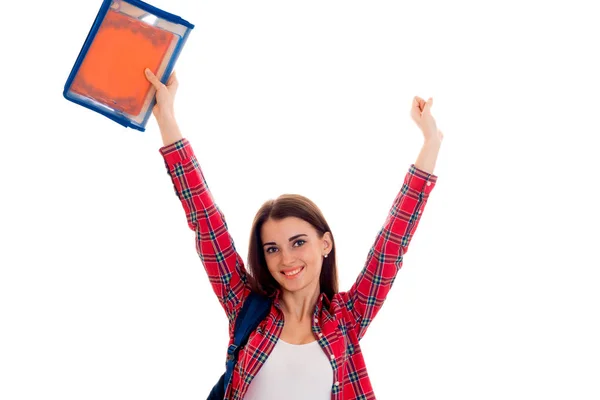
pixel 255 309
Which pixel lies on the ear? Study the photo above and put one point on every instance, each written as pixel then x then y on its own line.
pixel 327 242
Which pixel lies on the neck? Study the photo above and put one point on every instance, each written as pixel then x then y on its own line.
pixel 300 304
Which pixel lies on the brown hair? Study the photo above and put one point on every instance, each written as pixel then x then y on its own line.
pixel 288 205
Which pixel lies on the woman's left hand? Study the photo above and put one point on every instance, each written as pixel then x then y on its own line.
pixel 421 114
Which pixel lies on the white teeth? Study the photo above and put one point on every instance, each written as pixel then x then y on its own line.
pixel 294 272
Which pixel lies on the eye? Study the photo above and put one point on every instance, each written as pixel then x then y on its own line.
pixel 270 250
pixel 299 242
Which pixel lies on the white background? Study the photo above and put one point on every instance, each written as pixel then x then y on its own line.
pixel 102 295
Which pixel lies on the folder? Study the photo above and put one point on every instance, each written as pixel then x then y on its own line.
pixel 108 75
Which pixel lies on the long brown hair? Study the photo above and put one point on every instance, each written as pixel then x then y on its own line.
pixel 288 205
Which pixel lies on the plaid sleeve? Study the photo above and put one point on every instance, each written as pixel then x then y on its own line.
pixel 223 264
pixel 365 298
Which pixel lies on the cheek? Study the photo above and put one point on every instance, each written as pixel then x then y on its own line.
pixel 315 261
pixel 271 265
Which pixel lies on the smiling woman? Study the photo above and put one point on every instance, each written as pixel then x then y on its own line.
pixel 291 247
pixel 307 347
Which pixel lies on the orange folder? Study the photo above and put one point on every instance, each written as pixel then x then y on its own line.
pixel 112 72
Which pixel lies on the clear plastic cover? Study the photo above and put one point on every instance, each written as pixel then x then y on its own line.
pixel 127 37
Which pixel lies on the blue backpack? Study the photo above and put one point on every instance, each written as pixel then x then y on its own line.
pixel 255 309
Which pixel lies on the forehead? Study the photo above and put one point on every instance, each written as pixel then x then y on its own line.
pixel 281 230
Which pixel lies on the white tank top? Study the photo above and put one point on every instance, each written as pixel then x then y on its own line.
pixel 293 372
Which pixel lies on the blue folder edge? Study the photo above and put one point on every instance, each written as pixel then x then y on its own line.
pixel 121 119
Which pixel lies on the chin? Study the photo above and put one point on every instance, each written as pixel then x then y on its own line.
pixel 291 287
pixel 298 286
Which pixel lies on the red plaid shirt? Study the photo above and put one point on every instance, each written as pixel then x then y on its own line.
pixel 338 323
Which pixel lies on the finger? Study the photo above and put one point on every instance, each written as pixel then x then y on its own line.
pixel 174 85
pixel 173 89
pixel 172 79
pixel 420 103
pixel 417 101
pixel 153 79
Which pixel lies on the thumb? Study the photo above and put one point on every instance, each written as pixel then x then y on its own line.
pixel 153 79
pixel 428 105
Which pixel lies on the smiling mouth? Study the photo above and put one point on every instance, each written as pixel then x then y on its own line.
pixel 292 273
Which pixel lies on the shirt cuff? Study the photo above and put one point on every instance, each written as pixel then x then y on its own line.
pixel 177 152
pixel 421 181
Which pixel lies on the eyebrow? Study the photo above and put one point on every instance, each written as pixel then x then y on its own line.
pixel 290 239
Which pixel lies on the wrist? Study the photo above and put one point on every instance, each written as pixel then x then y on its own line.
pixel 169 130
pixel 428 155
pixel 432 143
pixel 166 119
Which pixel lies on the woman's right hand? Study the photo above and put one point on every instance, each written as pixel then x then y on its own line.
pixel 165 97
pixel 164 111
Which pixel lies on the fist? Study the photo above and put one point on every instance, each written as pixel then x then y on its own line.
pixel 420 112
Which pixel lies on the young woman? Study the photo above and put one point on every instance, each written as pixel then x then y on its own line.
pixel 308 345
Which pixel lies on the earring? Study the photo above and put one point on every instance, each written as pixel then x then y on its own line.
pixel 325 255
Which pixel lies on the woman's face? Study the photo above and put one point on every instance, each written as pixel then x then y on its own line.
pixel 294 253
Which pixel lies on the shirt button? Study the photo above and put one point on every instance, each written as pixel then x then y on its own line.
pixel 428 183
pixel 332 357
pixel 419 211
pixel 320 334
pixel 316 320
pixel 336 384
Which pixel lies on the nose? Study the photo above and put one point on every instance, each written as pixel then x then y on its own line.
pixel 287 258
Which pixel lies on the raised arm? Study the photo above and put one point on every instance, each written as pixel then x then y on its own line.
pixel 365 298
pixel 224 266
